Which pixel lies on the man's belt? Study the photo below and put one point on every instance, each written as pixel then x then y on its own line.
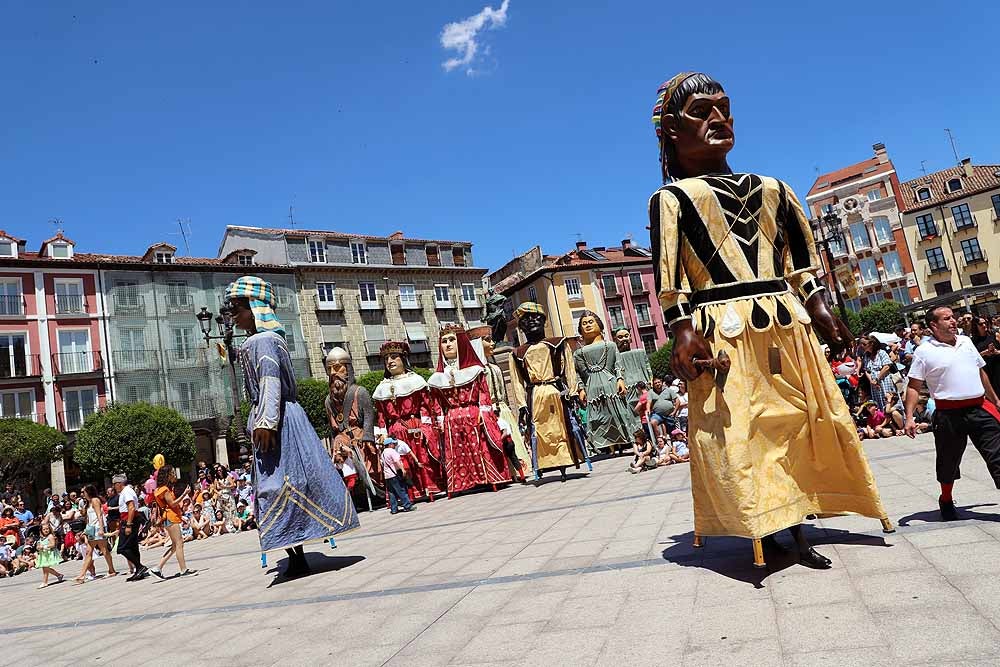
pixel 945 404
pixel 744 290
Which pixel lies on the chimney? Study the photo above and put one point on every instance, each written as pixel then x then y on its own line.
pixel 581 245
pixel 626 244
pixel 967 167
pixel 880 152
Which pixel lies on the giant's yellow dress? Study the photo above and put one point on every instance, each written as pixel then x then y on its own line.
pixel 775 441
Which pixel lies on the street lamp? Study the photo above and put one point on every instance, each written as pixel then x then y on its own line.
pixel 224 327
pixel 833 230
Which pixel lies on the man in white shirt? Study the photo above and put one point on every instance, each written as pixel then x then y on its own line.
pixel 128 527
pixel 966 405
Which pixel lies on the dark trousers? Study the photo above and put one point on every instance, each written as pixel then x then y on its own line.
pixel 953 428
pixel 128 544
pixel 397 493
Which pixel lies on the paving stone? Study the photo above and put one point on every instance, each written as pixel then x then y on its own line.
pixel 932 634
pixel 743 620
pixel 827 627
pixel 918 589
pixel 737 654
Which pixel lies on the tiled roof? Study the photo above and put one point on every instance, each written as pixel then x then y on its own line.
pixel 5 235
pixel 90 260
pixel 304 233
pixel 984 177
pixel 578 258
pixel 863 169
pixel 57 237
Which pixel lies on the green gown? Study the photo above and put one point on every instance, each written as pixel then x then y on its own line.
pixel 635 369
pixel 610 423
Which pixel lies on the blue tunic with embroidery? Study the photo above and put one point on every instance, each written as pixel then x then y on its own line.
pixel 300 496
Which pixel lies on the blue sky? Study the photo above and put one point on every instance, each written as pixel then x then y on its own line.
pixel 120 119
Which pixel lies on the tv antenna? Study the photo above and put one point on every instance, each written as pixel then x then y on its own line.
pixel 185 227
pixel 954 150
pixel 58 224
pixel 291 216
pixel 923 166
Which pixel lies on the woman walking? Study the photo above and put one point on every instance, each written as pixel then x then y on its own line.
pixel 96 532
pixel 171 511
pixel 48 555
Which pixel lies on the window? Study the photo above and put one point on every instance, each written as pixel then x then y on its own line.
pixel 926 226
pixel 963 217
pixel 827 209
pixel 635 282
pixel 131 353
pixel 609 284
pixel 11 301
pixel 649 343
pixel 883 230
pixel 859 236
pixel 892 265
pixel 13 355
pixel 317 251
pixel 616 317
pixel 178 297
pixel 573 290
pixel 408 296
pixel 923 194
pixel 326 294
pixel 74 351
pixel 458 256
pixel 996 206
pixel 874 195
pixel 244 259
pixel 183 341
pixel 17 403
pixel 901 294
pixel 979 278
pixel 469 294
pixel 642 314
pixel 441 295
pixel 369 297
pixel 60 251
pixel 942 288
pixel 971 250
pixel 876 297
pixel 359 254
pixel 954 185
pixel 7 248
pixel 869 272
pixel 532 293
pixel 78 404
pixel 433 257
pixel 163 257
pixel 290 340
pixel 398 253
pixel 69 296
pixel 935 259
pixel 854 305
pixel 837 246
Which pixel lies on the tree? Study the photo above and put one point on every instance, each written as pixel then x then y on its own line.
pixel 312 394
pixel 882 316
pixel 126 436
pixel 26 448
pixel 370 380
pixel 659 361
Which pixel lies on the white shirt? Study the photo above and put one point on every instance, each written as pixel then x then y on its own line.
pixel 127 494
pixel 402 448
pixel 950 371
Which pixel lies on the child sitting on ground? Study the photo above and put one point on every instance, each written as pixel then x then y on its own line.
pixel 679 442
pixel 644 459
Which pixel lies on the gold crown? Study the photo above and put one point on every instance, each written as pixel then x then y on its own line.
pixel 394 347
pixel 451 327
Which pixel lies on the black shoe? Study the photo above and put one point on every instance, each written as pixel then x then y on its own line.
pixel 770 543
pixel 393 511
pixel 158 574
pixel 410 508
pixel 815 560
pixel 948 511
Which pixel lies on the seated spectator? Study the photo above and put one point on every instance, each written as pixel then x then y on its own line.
pixel 23 514
pixel 220 525
pixel 25 556
pixel 922 416
pixel 6 558
pixel 10 528
pixel 244 491
pixel 201 525
pixel 244 518
pixel 663 451
pixel 644 459
pixel 157 537
pixel 876 423
pixel 896 413
pixel 679 445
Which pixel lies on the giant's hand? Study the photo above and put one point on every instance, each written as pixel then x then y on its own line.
pixel 829 327
pixel 621 388
pixel 264 439
pixel 582 395
pixel 689 346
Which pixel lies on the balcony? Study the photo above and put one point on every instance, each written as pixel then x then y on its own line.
pixel 127 302
pixel 72 420
pixel 370 304
pixel 11 304
pixel 962 225
pixel 638 290
pixel 70 304
pixel 186 357
pixel 20 366
pixel 38 418
pixel 936 269
pixel 470 303
pixel 410 302
pixel 612 293
pixel 326 304
pixel 884 241
pixel 199 408
pixel 135 360
pixel 644 322
pixel 974 257
pixel 77 363
pixel 928 233
pixel 446 304
pixel 179 303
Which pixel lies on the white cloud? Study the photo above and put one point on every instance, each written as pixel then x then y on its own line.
pixel 463 36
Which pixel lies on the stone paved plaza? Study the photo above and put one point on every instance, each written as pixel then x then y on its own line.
pixel 594 571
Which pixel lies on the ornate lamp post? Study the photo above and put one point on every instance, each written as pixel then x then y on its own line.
pixel 225 333
pixel 832 230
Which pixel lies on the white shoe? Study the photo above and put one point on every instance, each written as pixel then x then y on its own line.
pixel 90 577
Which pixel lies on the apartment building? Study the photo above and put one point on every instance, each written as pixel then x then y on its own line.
pixel 616 282
pixel 951 219
pixel 358 291
pixel 871 254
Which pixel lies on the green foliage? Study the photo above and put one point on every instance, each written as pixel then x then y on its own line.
pixel 659 361
pixel 26 448
pixel 370 380
pixel 237 427
pixel 126 436
pixel 312 394
pixel 882 316
pixel 853 322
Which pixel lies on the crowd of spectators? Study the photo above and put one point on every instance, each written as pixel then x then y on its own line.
pixel 663 410
pixel 82 524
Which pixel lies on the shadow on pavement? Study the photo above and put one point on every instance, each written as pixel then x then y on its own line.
pixel 732 557
pixel 964 512
pixel 318 563
pixel 550 477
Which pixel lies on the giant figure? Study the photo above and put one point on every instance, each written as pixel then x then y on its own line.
pixel 351 416
pixel 473 442
pixel 771 438
pixel 541 373
pixel 635 367
pixel 405 410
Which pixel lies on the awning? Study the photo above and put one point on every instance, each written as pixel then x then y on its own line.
pixel 332 333
pixel 415 331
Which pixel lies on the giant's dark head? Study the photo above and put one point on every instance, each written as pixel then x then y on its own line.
pixel 693 123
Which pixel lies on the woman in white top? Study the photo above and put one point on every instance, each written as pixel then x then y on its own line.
pixel 682 406
pixel 95 532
